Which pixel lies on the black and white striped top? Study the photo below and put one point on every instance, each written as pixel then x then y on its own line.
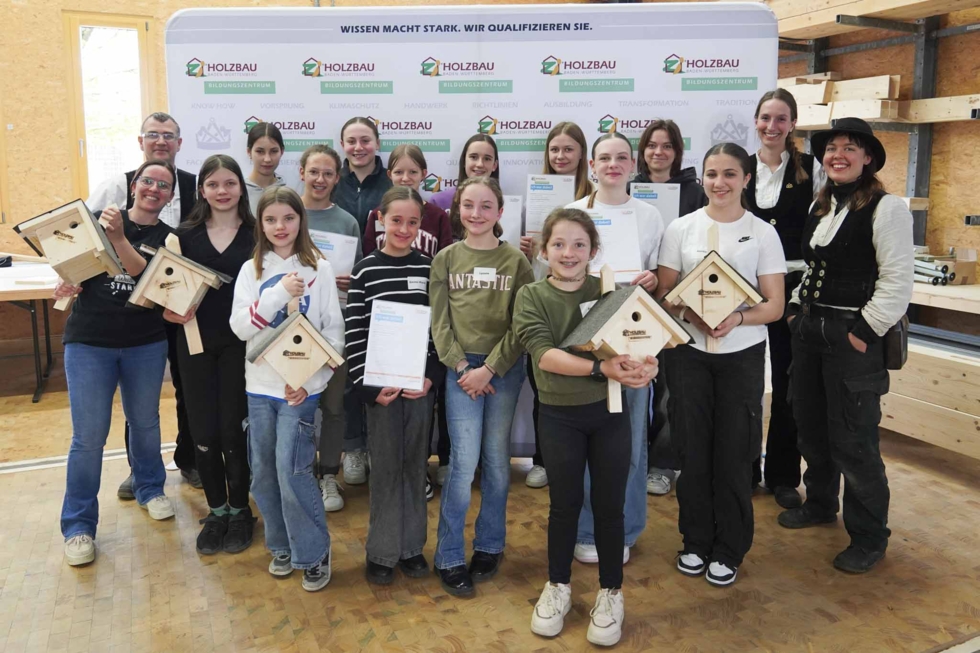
pixel 380 276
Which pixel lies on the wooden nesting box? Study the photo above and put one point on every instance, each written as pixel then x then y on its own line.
pixel 174 282
pixel 74 243
pixel 713 290
pixel 625 321
pixel 295 350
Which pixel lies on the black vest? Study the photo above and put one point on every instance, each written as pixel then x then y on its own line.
pixel 186 182
pixel 789 214
pixel 842 273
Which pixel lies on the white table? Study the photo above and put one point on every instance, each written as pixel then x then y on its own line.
pixel 23 285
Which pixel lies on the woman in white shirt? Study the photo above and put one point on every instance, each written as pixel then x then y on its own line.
pixel 859 252
pixel 613 164
pixel 716 396
pixel 784 185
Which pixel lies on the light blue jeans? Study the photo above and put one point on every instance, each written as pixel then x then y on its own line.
pixel 93 374
pixel 635 510
pixel 281 449
pixel 477 425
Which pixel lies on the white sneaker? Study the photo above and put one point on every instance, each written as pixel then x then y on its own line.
pixel 690 564
pixel 720 574
pixel 441 474
pixel 606 626
pixel 549 614
pixel 330 493
pixel 587 554
pixel 355 467
pixel 159 507
pixel 658 484
pixel 79 550
pixel 536 477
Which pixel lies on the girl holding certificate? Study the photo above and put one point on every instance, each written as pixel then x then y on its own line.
pixel 287 266
pixel 613 162
pixel 219 234
pixel 576 426
pixel 716 396
pixel 399 420
pixel 479 159
pixel 473 284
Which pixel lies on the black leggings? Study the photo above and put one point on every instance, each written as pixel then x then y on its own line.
pixel 572 436
pixel 214 391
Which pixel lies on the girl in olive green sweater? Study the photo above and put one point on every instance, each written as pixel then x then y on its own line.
pixel 574 425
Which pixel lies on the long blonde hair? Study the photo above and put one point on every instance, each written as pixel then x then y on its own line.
pixel 303 246
pixel 582 184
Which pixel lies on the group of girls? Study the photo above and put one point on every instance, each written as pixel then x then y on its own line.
pixel 492 302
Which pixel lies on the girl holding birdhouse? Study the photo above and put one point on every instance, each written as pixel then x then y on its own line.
pixel 109 344
pixel 287 269
pixel 220 235
pixel 717 382
pixel 399 419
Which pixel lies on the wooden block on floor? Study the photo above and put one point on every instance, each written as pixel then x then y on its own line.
pixel 940 375
pixel 950 429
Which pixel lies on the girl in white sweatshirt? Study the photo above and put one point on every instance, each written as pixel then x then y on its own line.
pixel 281 445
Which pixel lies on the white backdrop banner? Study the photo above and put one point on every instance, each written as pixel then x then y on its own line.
pixel 435 76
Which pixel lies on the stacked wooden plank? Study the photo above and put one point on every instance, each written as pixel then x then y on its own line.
pixel 825 97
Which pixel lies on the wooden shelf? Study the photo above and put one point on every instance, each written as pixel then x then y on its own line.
pixel 954 298
pixel 804 19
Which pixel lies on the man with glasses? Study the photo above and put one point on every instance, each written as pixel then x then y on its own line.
pixel 159 139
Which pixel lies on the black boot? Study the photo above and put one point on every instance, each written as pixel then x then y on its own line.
pixel 858 560
pixel 456 580
pixel 416 566
pixel 379 574
pixel 484 566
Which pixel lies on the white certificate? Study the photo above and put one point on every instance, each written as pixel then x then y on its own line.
pixel 510 220
pixel 398 343
pixel 339 249
pixel 666 197
pixel 545 193
pixel 619 243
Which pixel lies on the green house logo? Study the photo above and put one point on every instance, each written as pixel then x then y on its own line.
pixel 311 68
pixel 487 125
pixel 608 124
pixel 250 122
pixel 195 68
pixel 551 66
pixel 432 183
pixel 430 67
pixel 674 65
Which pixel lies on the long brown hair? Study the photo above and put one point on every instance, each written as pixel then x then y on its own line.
pixel 399 193
pixel 582 184
pixel 579 217
pixel 202 208
pixel 457 224
pixel 478 138
pixel 676 142
pixel 737 152
pixel 303 247
pixel 869 186
pixel 787 98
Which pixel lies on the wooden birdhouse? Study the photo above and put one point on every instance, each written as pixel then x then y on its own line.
pixel 295 350
pixel 74 243
pixel 713 290
pixel 177 283
pixel 625 321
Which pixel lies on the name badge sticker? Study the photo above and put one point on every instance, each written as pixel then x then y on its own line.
pixel 418 283
pixel 484 274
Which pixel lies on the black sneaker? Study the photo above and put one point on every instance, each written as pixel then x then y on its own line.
pixel 787 497
pixel 125 491
pixel 379 574
pixel 484 566
pixel 805 516
pixel 415 567
pixel 209 541
pixel 316 578
pixel 429 492
pixel 192 477
pixel 858 560
pixel 239 535
pixel 456 580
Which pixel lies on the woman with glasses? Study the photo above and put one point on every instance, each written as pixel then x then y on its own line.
pixel 110 344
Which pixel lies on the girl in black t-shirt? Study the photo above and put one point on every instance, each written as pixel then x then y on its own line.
pixel 108 344
pixel 218 234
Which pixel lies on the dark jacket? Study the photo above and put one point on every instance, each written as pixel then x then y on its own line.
pixel 360 198
pixel 692 195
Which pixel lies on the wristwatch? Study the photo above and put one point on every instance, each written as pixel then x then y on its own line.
pixel 597 374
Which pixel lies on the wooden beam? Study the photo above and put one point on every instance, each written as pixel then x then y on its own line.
pixel 949 429
pixel 872 110
pixel 940 376
pixel 813 116
pixel 943 109
pixel 805 19
pixel 955 298
pixel 882 87
pixel 815 78
pixel 820 93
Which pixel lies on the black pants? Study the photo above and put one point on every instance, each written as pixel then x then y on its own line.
pixel 535 413
pixel 782 454
pixel 572 436
pixel 716 420
pixel 660 451
pixel 217 406
pixel 184 453
pixel 837 402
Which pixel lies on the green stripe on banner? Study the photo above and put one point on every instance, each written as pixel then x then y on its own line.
pixel 720 84
pixel 357 88
pixel 300 144
pixel 595 85
pixel 636 143
pixel 427 145
pixel 239 88
pixel 476 86
pixel 520 144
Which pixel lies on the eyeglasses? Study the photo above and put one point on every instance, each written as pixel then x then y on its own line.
pixel 149 183
pixel 169 137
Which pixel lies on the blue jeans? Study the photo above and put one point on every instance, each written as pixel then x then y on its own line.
pixel 635 510
pixel 93 374
pixel 477 425
pixel 281 449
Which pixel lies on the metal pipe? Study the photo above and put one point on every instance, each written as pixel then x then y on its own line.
pixel 924 279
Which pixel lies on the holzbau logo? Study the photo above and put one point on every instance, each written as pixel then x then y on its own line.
pixel 677 65
pixel 552 65
pixel 398 126
pixel 432 183
pixel 316 68
pixel 674 64
pixel 198 68
pixel 490 125
pixel 292 126
pixel 608 124
pixel 432 67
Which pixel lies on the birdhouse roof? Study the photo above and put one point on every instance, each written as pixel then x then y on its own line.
pixel 28 228
pixel 213 277
pixel 753 296
pixel 296 320
pixel 606 309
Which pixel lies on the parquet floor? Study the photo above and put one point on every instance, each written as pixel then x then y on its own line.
pixel 149 590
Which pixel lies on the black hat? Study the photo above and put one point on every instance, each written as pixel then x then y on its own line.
pixel 855 126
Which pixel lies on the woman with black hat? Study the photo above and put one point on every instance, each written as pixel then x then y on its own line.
pixel 857 243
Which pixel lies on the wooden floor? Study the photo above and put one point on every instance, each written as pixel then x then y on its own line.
pixel 150 591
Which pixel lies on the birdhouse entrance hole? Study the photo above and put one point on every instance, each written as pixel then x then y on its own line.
pixel 297 339
pixel 73 225
pixel 168 271
pixel 636 316
pixel 713 278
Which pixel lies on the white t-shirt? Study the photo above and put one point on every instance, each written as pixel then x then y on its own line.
pixel 749 245
pixel 649 226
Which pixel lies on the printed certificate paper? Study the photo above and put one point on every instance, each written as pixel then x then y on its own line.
pixel 510 221
pixel 398 342
pixel 619 243
pixel 665 197
pixel 545 193
pixel 336 248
